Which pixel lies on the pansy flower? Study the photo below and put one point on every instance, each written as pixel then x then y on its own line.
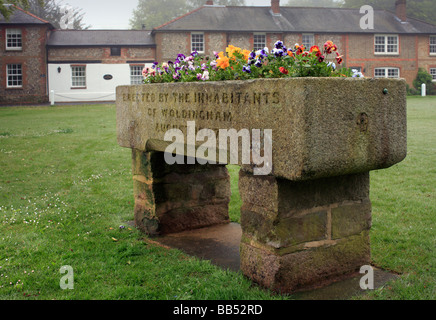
pixel 258 63
pixel 339 59
pixel 356 73
pixel 205 76
pixel 331 64
pixel 283 70
pixel 329 47
pixel 246 69
pixel 279 45
pixel 299 49
pixel 222 62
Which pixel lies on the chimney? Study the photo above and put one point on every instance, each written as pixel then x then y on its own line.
pixel 275 6
pixel 209 2
pixel 400 9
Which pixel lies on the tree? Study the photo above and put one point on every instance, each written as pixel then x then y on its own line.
pixel 6 10
pixel 314 3
pixel 153 13
pixel 49 10
pixel 424 10
pixel 52 11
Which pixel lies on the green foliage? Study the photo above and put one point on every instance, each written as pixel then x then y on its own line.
pixel 6 10
pixel 153 13
pixel 424 77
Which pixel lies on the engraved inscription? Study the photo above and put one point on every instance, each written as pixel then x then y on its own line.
pixel 234 98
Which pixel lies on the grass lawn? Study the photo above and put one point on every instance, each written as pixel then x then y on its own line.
pixel 66 188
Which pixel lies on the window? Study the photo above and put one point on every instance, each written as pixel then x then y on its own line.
pixel 197 42
pixel 78 76
pixel 387 73
pixel 136 74
pixel 14 74
pixel 115 51
pixel 386 44
pixel 13 39
pixel 259 41
pixel 433 45
pixel 308 40
pixel 433 73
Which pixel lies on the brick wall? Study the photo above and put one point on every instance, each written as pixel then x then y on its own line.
pixel 357 49
pixel 33 59
pixel 102 54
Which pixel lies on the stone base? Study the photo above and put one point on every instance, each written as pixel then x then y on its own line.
pixel 312 267
pixel 175 198
pixel 298 235
pixel 221 246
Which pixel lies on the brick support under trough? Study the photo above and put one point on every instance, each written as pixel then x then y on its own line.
pixel 175 198
pixel 303 234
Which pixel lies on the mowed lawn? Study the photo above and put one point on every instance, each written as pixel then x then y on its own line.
pixel 66 188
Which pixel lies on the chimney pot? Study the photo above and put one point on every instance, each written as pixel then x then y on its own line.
pixel 401 9
pixel 209 2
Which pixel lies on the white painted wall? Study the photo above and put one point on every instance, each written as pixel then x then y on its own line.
pixel 97 88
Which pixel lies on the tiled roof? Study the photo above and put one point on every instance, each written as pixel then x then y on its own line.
pixel 292 19
pixel 74 38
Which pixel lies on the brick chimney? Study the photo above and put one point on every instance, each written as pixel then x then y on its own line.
pixel 400 9
pixel 275 6
pixel 209 2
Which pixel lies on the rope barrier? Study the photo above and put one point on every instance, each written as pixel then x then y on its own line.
pixel 82 99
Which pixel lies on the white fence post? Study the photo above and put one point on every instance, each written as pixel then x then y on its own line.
pixel 52 97
pixel 423 90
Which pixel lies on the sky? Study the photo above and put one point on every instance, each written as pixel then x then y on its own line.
pixel 116 13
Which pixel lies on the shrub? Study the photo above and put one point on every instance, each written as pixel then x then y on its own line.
pixel 424 77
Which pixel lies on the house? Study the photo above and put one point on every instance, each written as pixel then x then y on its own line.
pixel 88 65
pixel 41 63
pixel 23 58
pixel 396 47
pixel 38 61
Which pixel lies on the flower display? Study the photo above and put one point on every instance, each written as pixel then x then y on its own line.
pixel 241 64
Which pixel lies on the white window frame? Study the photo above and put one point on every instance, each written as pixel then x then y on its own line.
pixel 432 72
pixel 432 44
pixel 195 43
pixel 386 72
pixel 136 74
pixel 259 44
pixel 12 77
pixel 312 42
pixel 14 36
pixel 386 44
pixel 78 81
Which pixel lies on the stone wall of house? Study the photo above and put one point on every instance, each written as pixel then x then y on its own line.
pixel 32 57
pixel 169 45
pixel 101 54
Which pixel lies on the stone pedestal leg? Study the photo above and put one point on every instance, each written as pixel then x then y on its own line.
pixel 179 197
pixel 303 234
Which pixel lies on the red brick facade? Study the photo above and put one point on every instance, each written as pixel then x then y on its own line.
pixel 33 60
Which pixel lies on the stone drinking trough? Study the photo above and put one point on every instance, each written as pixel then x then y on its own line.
pixel 307 220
